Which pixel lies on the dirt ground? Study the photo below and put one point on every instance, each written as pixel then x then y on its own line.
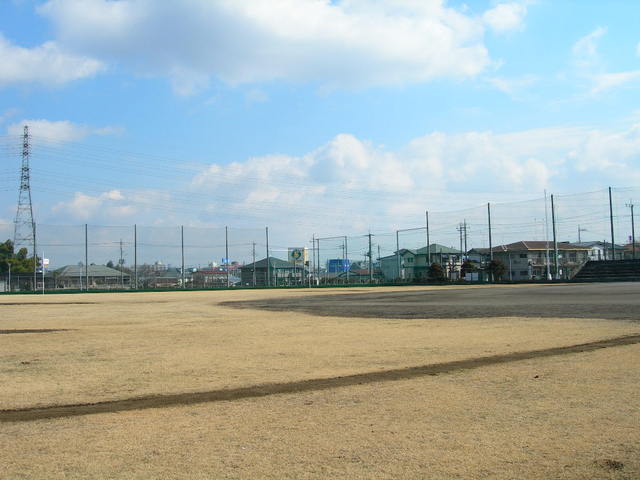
pixel 183 385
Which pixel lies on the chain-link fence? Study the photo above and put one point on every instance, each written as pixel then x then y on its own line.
pixel 547 238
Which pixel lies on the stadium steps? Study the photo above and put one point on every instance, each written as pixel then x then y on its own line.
pixel 609 271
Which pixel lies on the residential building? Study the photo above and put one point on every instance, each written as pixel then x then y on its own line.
pixel 408 265
pixel 527 260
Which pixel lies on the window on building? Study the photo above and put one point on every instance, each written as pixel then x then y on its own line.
pixel 524 273
pixel 523 255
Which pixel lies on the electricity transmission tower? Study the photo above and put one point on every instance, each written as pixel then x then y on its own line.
pixel 24 233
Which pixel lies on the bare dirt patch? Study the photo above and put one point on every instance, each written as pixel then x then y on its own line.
pixel 613 301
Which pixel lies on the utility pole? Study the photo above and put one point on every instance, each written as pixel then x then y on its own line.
pixel 633 231
pixel 579 231
pixel 465 238
pixel 555 239
pixel 24 227
pixel 613 240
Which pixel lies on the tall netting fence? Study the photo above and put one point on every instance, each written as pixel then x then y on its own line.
pixel 549 237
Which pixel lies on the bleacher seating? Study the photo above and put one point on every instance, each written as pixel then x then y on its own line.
pixel 609 271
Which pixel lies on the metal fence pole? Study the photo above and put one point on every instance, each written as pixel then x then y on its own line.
pixel 428 240
pixel 226 253
pixel 398 253
pixel 347 264
pixel 555 239
pixel 135 256
pixel 86 257
pixel 370 261
pixel 182 252
pixel 268 259
pixel 489 221
pixel 319 270
pixel 35 261
pixel 613 240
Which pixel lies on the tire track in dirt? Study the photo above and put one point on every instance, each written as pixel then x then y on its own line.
pixel 33 330
pixel 180 399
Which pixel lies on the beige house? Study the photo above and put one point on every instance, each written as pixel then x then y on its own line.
pixel 528 260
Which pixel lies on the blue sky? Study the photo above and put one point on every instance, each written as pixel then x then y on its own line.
pixel 337 117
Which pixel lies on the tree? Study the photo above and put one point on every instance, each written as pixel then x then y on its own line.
pixel 496 269
pixel 467 267
pixel 20 262
pixel 110 264
pixel 436 273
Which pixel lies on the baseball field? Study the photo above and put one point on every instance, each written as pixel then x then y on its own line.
pixel 521 382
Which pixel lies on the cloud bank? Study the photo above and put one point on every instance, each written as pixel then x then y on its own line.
pixel 47 65
pixel 349 43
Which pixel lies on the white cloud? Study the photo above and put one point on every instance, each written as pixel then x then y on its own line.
pixel 63 130
pixel 256 95
pixel 592 67
pixel 7 114
pixel 585 50
pixel 372 186
pixel 512 86
pixel 607 81
pixel 349 185
pixel 46 64
pixel 84 207
pixel 506 17
pixel 351 43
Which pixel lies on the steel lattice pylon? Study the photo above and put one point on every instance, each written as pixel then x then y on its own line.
pixel 24 233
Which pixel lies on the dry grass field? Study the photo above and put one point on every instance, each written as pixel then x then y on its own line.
pixel 312 384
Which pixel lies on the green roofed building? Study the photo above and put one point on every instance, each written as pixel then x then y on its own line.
pixel 99 277
pixel 273 272
pixel 407 264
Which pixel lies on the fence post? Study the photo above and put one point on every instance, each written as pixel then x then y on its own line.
pixel 182 252
pixel 347 264
pixel 268 259
pixel 555 239
pixel 35 261
pixel 135 255
pixel 428 241
pixel 398 252
pixel 86 257
pixel 490 242
pixel 370 261
pixel 226 253
pixel 613 240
